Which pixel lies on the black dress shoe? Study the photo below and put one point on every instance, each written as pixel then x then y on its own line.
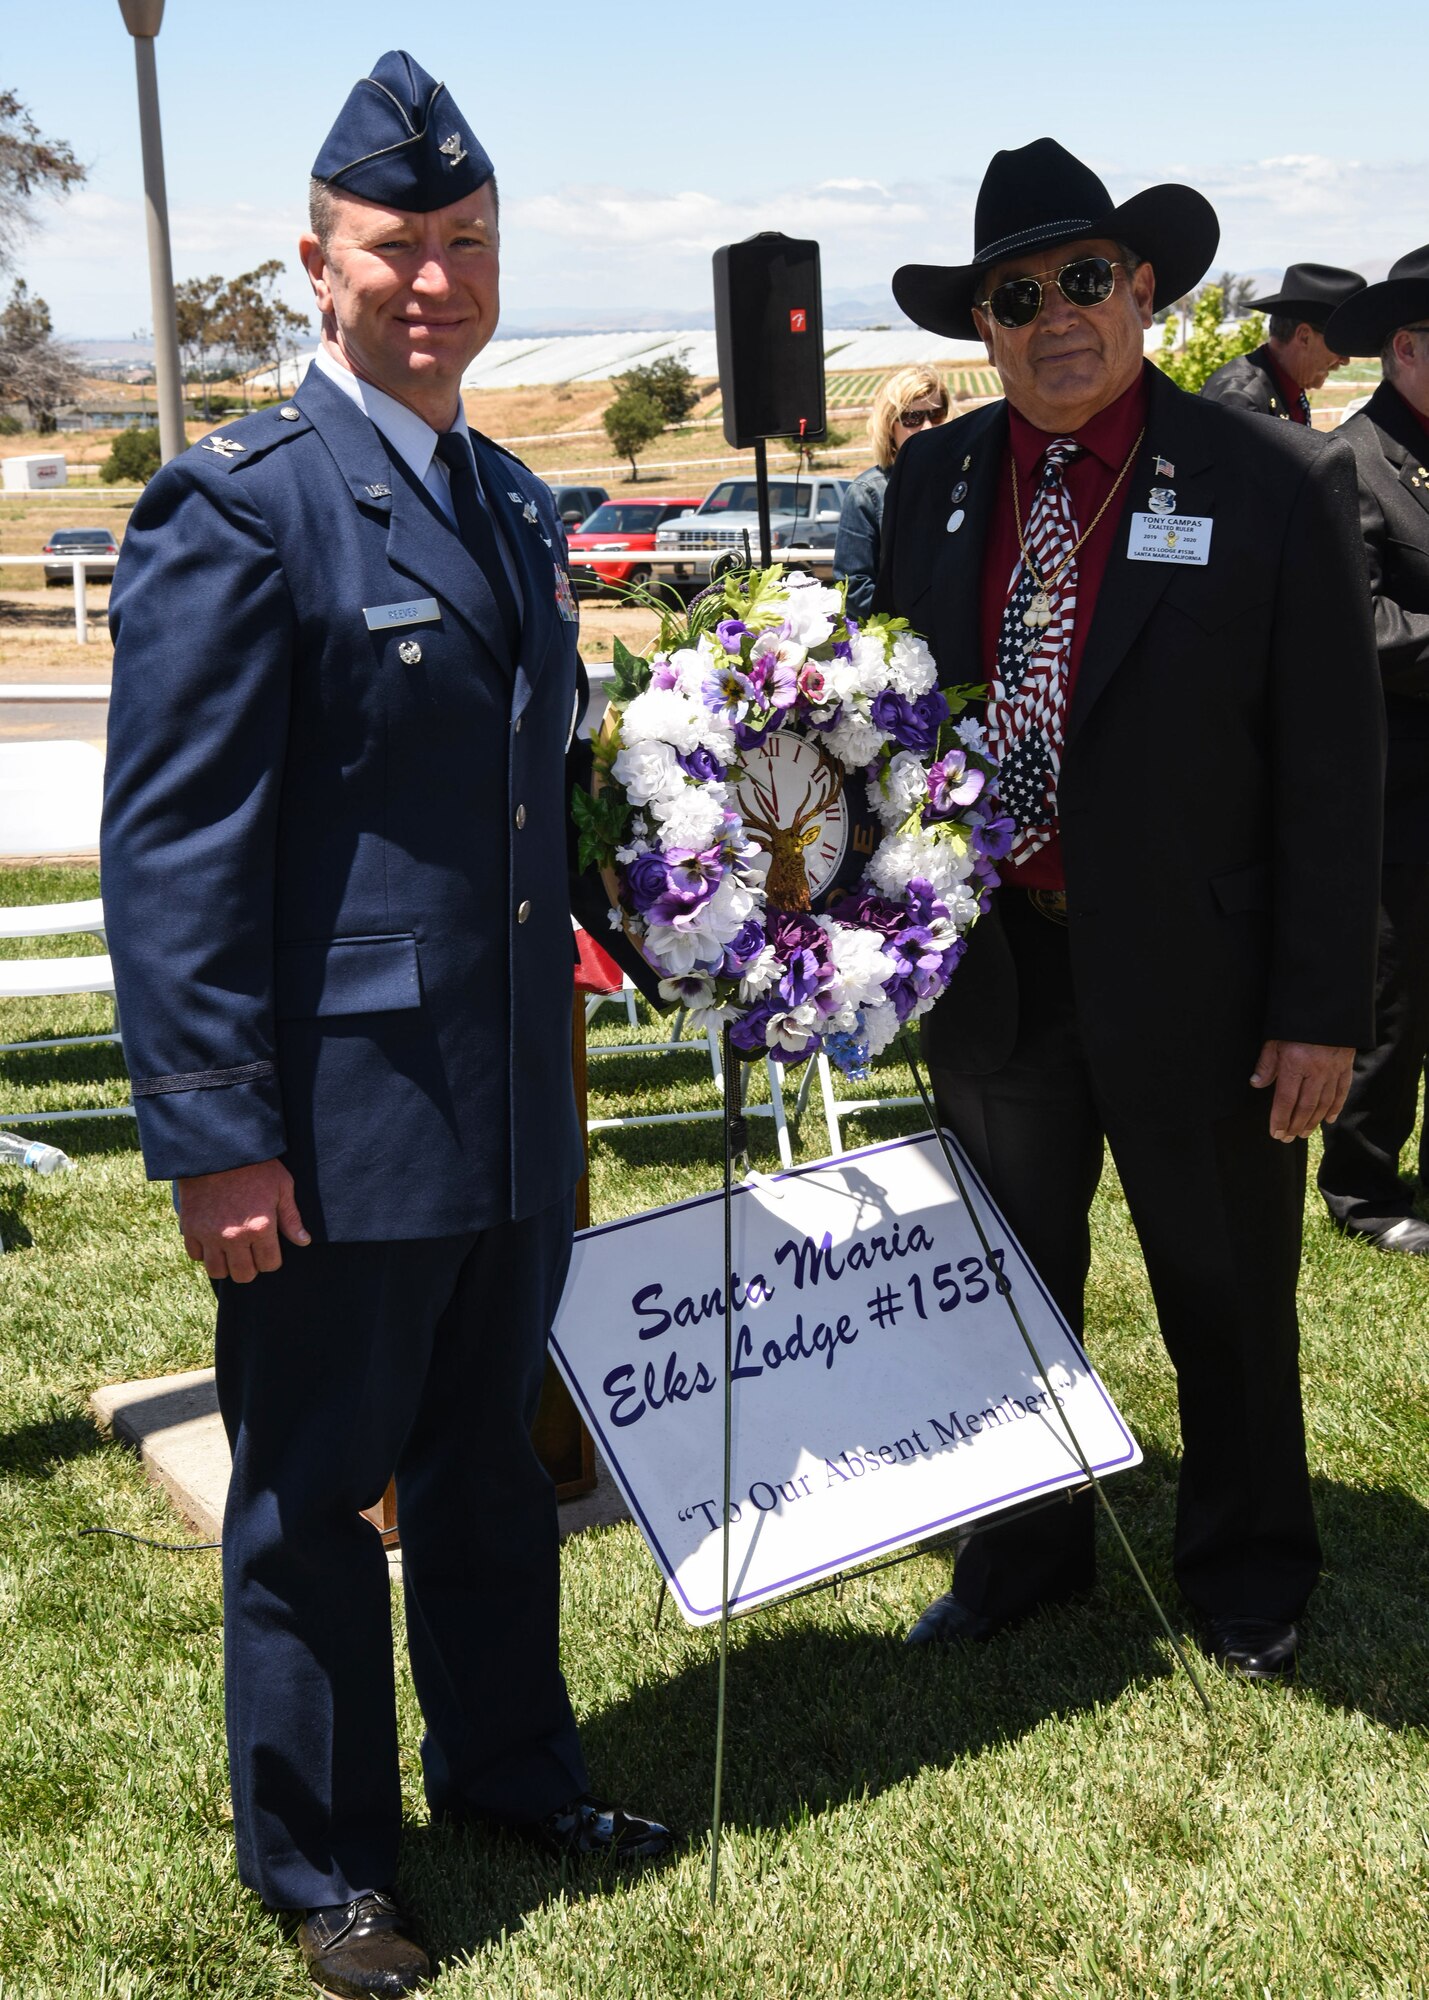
pixel 361 1948
pixel 1261 1649
pixel 948 1623
pixel 1406 1236
pixel 587 1826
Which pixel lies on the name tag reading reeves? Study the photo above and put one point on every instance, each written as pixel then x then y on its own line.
pixel 410 611
pixel 881 1389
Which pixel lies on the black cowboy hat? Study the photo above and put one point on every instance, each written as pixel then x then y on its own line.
pixel 1364 323
pixel 1311 292
pixel 1040 195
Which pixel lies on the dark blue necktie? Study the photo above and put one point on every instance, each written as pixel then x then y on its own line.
pixel 474 525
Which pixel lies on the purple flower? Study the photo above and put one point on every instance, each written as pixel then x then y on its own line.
pixel 754 729
pixel 951 785
pixel 790 931
pixel 993 838
pixel 702 765
pixel 729 632
pixel 869 911
pixel 726 690
pixel 693 879
pixel 743 948
pixel 913 725
pixel 663 675
pixel 646 878
pixel 748 1032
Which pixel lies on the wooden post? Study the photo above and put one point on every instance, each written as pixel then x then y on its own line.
pixel 564 1445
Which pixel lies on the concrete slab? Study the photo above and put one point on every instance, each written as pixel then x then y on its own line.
pixel 173 1423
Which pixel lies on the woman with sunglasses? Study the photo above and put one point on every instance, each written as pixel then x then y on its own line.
pixel 907 402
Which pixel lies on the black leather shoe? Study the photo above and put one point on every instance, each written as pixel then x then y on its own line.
pixel 1261 1649
pixel 948 1623
pixel 361 1948
pixel 587 1826
pixel 1407 1236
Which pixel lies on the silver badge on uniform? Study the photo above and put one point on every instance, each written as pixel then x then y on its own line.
pixel 1162 500
pixel 409 653
pixel 408 611
pixel 452 150
pixel 225 447
pixel 960 492
pixel 290 413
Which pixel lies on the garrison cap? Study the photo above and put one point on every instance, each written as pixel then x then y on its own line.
pixel 400 140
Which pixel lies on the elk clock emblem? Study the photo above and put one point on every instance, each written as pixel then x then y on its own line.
pixel 794 803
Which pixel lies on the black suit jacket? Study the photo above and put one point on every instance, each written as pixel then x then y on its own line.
pixel 1391 451
pixel 1249 383
pixel 1222 772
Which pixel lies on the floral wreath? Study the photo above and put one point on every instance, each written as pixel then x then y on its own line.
pixel 715 892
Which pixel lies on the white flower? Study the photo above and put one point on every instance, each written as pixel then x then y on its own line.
pixel 759 975
pixel 860 961
pixel 694 993
pixel 910 666
pixel 693 817
pixel 648 771
pixel 902 788
pixel 902 857
pixel 662 715
pixel 791 1029
pixel 870 664
pixel 625 855
pixel 614 919
pixel 972 734
pixel 682 947
pixel 854 740
pixel 810 609
pixel 880 1027
pixel 691 665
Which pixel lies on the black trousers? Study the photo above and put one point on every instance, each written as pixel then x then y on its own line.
pixel 1359 1174
pixel 1217 1207
pixel 355 1361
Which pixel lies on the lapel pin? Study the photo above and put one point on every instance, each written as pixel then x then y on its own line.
pixel 378 491
pixel 409 652
pixel 960 492
pixel 1162 500
pixel 968 463
pixel 1164 469
pixel 955 520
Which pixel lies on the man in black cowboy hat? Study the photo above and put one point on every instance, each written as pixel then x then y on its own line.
pixel 1359 1176
pixel 1168 607
pixel 1276 380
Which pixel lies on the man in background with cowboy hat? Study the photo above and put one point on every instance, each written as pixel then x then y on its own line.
pixel 1168 607
pixel 334 851
pixel 1276 380
pixel 1359 1175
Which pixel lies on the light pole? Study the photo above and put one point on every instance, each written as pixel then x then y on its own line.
pixel 142 19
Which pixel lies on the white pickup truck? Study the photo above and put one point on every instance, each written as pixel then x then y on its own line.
pixel 803 514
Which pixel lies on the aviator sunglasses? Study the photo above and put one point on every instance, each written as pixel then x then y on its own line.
pixel 1086 281
pixel 913 420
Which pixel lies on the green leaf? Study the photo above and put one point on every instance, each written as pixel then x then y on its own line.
pixel 601 821
pixel 632 674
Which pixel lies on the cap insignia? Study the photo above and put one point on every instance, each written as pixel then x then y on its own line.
pixel 453 150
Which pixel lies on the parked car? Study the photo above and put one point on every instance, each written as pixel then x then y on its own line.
pixel 626 525
pixel 574 503
pixel 803 513
pixel 72 542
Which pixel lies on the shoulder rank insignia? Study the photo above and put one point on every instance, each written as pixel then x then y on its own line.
pixel 225 447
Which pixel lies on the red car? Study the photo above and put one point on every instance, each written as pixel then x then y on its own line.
pixel 625 528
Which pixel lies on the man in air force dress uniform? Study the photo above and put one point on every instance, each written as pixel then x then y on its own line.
pixel 334 862
pixel 1168 604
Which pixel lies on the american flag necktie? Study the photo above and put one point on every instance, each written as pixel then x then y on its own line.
pixel 1027 700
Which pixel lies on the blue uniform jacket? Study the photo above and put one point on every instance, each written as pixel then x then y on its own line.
pixel 334 878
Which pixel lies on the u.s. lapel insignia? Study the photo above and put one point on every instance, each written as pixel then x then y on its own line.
pixel 531 512
pixel 225 447
pixel 565 598
pixel 379 490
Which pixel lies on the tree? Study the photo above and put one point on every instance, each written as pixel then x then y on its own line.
pixel 258 329
pixel 668 382
pixel 34 368
pixel 1237 295
pixel 1207 348
pixel 632 421
pixel 198 304
pixel 133 458
pixel 29 165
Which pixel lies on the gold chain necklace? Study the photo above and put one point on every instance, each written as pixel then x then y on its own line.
pixel 1039 610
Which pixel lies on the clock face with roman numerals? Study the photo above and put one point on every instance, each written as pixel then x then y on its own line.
pixel 815 827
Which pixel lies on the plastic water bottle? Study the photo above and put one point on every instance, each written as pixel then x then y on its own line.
pixel 20 1152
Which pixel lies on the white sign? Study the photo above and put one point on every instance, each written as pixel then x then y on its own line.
pixel 881 1389
pixel 1170 538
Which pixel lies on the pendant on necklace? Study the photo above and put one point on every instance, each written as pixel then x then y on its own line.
pixel 1039 611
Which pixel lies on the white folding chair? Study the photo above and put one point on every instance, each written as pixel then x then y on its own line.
pixel 50 797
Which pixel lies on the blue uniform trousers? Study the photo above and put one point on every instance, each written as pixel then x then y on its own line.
pixel 353 1361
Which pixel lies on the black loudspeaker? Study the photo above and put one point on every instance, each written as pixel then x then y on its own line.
pixel 769 332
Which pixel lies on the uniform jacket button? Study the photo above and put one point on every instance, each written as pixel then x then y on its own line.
pixel 520 817
pixel 523 910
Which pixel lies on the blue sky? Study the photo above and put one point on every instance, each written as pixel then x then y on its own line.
pixel 632 139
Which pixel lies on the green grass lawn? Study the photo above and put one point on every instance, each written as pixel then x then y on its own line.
pixel 1051 1817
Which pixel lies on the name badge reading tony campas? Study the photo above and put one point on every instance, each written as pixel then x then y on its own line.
pixel 411 611
pixel 1170 538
